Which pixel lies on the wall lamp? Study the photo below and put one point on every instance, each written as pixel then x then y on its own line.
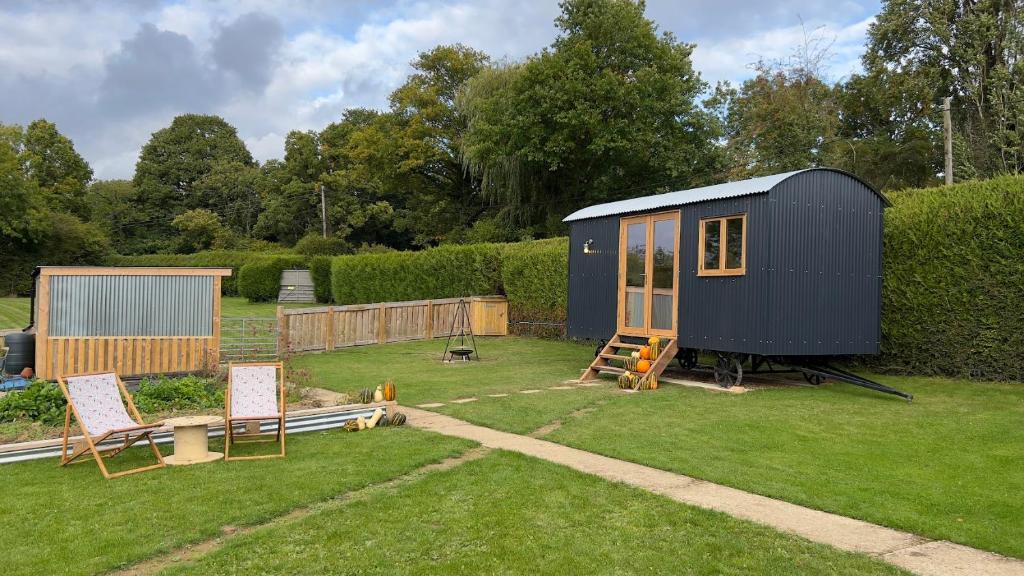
pixel 588 247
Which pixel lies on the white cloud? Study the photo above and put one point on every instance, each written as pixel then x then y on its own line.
pixel 334 55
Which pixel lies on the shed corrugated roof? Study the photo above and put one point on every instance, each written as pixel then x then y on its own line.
pixel 692 196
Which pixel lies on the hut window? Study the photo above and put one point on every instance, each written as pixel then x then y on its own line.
pixel 723 246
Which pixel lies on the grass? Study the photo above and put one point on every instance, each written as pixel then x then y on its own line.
pixel 72 521
pixel 13 313
pixel 511 514
pixel 508 364
pixel 947 466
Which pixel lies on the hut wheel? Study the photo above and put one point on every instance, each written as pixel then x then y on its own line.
pixel 728 370
pixel 813 379
pixel 687 358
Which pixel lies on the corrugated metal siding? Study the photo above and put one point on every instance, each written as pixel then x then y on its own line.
pixel 725 313
pixel 826 267
pixel 593 278
pixel 131 306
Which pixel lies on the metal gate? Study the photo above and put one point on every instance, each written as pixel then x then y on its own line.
pixel 248 339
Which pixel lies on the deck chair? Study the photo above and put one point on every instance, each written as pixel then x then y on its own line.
pixel 255 394
pixel 98 404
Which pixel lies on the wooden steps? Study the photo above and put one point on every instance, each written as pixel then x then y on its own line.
pixel 612 351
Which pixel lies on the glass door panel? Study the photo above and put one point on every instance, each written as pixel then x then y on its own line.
pixel 636 274
pixel 663 255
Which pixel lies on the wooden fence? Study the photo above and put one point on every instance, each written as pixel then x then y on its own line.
pixel 330 327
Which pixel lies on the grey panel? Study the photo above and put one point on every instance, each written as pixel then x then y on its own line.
pixel 725 313
pixel 131 306
pixel 827 267
pixel 697 195
pixel 593 278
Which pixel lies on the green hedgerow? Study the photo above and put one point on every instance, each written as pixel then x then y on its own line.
pixel 234 259
pixel 260 281
pixel 320 270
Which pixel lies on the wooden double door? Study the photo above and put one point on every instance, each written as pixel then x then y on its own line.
pixel 648 303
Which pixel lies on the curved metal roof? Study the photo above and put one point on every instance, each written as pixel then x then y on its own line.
pixel 758 185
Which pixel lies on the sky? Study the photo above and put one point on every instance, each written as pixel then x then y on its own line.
pixel 109 74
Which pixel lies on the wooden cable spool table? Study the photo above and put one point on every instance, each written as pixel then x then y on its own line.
pixel 191 440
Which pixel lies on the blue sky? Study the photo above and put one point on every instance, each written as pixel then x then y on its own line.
pixel 111 73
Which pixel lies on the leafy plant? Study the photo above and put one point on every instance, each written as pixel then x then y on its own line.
pixel 186 393
pixel 41 402
pixel 260 281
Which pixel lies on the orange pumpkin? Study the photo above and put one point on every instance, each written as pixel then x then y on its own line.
pixel 643 366
pixel 645 353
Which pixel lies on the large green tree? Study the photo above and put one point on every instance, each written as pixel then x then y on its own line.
pixel 968 49
pixel 59 170
pixel 607 112
pixel 176 158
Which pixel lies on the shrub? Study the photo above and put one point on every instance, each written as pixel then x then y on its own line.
pixel 40 401
pixel 185 393
pixel 443 272
pixel 260 281
pixel 316 245
pixel 320 270
pixel 952 280
pixel 535 277
pixel 214 258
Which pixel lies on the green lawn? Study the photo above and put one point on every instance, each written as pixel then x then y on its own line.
pixel 511 514
pixel 946 466
pixel 72 521
pixel 13 313
pixel 508 364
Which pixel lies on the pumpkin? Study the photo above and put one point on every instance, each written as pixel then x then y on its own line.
pixel 627 380
pixel 645 353
pixel 351 426
pixel 361 422
pixel 377 414
pixel 653 381
pixel 653 341
pixel 643 366
pixel 378 394
pixel 397 419
pixel 389 391
pixel 384 421
pixel 365 396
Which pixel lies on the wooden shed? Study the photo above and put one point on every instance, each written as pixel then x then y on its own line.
pixel 296 286
pixel 134 321
pixel 784 268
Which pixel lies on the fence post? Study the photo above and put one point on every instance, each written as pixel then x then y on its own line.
pixel 329 340
pixel 430 319
pixel 282 332
pixel 382 325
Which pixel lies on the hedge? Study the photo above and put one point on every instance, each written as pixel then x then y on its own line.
pixel 214 258
pixel 443 272
pixel 260 280
pixel 320 270
pixel 535 277
pixel 954 281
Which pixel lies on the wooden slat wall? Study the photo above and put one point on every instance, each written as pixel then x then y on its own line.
pixel 127 356
pixel 316 329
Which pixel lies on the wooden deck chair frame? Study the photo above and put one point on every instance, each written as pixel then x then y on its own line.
pixel 229 421
pixel 90 443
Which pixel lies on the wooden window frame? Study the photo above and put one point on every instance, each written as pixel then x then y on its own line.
pixel 723 232
pixel 646 330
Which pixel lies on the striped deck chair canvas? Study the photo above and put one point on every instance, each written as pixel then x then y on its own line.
pixel 255 394
pixel 97 402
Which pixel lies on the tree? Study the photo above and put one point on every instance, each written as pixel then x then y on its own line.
pixel 112 209
pixel 199 229
pixel 176 158
pixel 53 162
pixel 608 112
pixel 968 49
pixel 235 192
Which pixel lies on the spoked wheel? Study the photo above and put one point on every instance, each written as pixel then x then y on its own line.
pixel 687 358
pixel 813 379
pixel 728 370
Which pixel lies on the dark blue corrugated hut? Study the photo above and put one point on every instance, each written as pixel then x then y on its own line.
pixel 798 273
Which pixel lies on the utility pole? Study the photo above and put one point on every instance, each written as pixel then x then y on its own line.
pixel 323 207
pixel 947 133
